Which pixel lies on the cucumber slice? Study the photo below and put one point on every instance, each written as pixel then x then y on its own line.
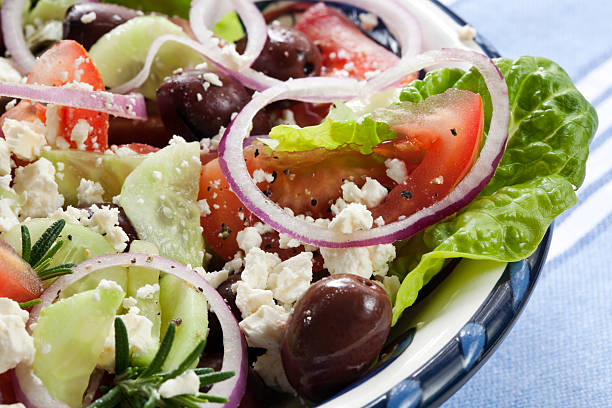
pixel 159 198
pixel 46 10
pixel 107 169
pixel 68 339
pixel 149 307
pixel 184 304
pixel 80 244
pixel 120 54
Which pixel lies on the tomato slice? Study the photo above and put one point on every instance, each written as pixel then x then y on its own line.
pixel 346 51
pixel 18 281
pixel 65 63
pixel 437 145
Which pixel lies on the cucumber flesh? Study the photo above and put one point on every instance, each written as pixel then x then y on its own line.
pixel 160 199
pixel 120 63
pixel 69 338
pixel 107 169
pixel 182 303
pixel 149 307
pixel 80 243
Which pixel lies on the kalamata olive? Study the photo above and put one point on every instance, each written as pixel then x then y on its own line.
pixel 2 46
pixel 151 131
pixel 288 53
pixel 124 221
pixel 214 342
pixel 87 22
pixel 195 104
pixel 336 331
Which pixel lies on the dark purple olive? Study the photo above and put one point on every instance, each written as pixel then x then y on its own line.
pixel 288 53
pixel 151 131
pixel 2 46
pixel 124 221
pixel 87 22
pixel 192 106
pixel 214 341
pixel 335 333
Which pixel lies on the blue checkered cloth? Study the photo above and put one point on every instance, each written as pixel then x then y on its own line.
pixel 559 354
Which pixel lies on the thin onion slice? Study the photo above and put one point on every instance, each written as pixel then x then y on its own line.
pixel 128 106
pixel 12 34
pixel 233 165
pixel 234 358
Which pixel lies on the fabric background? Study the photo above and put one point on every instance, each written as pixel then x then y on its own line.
pixel 559 353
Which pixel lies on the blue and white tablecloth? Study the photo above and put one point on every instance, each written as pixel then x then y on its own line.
pixel 559 354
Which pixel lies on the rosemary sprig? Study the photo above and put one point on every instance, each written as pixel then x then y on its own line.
pixel 139 387
pixel 39 256
pixel 29 304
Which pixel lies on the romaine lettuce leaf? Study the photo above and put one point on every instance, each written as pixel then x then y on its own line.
pixel 551 126
pixel 331 134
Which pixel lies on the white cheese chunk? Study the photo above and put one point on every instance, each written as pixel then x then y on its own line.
pixel 396 170
pixel 24 139
pixel 16 344
pixel 248 238
pixel 5 158
pixel 269 366
pixel 249 300
pixel 264 328
pixel 353 218
pixel 89 192
pixel 36 184
pixel 186 383
pixel 257 267
pixel 291 278
pixel 8 218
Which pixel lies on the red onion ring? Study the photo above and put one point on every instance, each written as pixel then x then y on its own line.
pixel 234 358
pixel 128 106
pixel 12 34
pixel 233 165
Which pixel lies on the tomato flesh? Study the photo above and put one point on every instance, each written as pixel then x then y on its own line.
pixel 346 51
pixel 7 395
pixel 18 281
pixel 437 147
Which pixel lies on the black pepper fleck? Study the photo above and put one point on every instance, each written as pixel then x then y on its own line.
pixel 313 202
pixel 454 131
pixel 406 194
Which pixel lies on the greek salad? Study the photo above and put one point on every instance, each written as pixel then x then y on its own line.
pixel 231 203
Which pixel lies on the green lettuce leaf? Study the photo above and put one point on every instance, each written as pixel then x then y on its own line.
pixel 332 134
pixel 551 126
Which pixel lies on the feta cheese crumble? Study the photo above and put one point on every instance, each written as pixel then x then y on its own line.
pixel 186 383
pixel 16 344
pixel 25 139
pixel 89 192
pixel 396 170
pixel 36 184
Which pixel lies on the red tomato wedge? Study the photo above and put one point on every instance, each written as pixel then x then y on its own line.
pixel 346 51
pixel 7 396
pixel 438 142
pixel 18 281
pixel 451 132
pixel 65 63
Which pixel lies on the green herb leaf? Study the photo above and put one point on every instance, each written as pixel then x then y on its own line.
pixel 49 254
pixel 122 347
pixel 29 304
pixel 108 400
pixel 215 377
pixel 26 243
pixel 45 241
pixel 54 272
pixel 162 352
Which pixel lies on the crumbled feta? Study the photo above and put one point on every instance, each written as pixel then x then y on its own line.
pixel 338 206
pixel 156 175
pixel 5 158
pixel 25 139
pixel 212 78
pixel 353 218
pixel 139 336
pixel 259 176
pixel 257 266
pixel 381 255
pixel 186 383
pixel 248 238
pixel 89 192
pixel 8 218
pixel 36 184
pixel 88 18
pixel 147 291
pixel 215 279
pixel 466 32
pixel 396 170
pixel 80 133
pixel 129 302
pixel 285 241
pixel 290 279
pixel 270 368
pixel 107 284
pixel 355 261
pixel 16 344
pixel 8 73
pixel 368 21
pixel 373 193
pixel 391 285
pixel 249 300
pixel 264 328
pixel 235 264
